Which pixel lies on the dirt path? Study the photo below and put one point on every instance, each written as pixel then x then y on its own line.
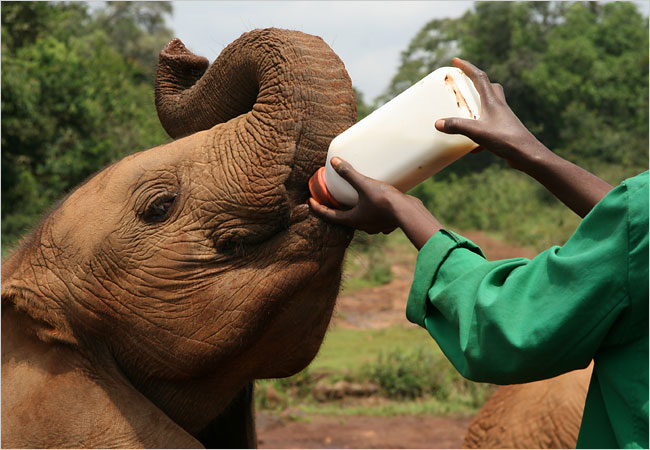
pixel 377 308
pixel 365 432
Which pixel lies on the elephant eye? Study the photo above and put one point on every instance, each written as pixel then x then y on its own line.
pixel 159 209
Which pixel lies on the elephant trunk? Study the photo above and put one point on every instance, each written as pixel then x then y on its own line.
pixel 186 103
pixel 293 88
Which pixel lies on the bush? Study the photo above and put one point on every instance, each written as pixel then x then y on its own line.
pixel 422 373
pixel 501 201
pixel 405 375
pixel 277 393
pixel 74 99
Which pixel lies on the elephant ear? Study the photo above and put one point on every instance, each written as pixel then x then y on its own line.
pixel 235 426
pixel 21 273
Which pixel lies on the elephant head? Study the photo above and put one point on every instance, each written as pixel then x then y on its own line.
pixel 188 270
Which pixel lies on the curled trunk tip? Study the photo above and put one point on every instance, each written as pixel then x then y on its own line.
pixel 176 47
pixel 292 85
pixel 176 64
pixel 178 70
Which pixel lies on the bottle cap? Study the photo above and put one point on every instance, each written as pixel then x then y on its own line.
pixel 319 191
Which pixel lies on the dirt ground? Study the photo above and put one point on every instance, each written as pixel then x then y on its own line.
pixel 377 308
pixel 365 432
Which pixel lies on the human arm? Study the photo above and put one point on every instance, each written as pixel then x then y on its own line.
pixel 381 208
pixel 520 320
pixel 499 131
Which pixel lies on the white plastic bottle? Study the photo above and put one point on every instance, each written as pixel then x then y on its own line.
pixel 398 143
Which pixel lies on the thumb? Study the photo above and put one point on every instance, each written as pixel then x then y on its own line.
pixel 348 173
pixel 456 125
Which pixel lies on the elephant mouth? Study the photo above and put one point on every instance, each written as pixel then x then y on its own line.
pixel 303 222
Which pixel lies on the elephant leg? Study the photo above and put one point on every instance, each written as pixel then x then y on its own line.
pixel 235 426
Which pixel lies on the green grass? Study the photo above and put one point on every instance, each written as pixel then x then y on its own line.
pixel 391 408
pixel 349 350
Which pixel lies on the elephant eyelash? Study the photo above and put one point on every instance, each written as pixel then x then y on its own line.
pixel 160 208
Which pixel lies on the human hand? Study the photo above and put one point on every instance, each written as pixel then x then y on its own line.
pixel 498 129
pixel 373 213
pixel 501 132
pixel 381 208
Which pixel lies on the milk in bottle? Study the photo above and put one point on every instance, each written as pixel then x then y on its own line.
pixel 398 143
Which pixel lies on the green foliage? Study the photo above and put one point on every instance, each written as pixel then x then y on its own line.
pixel 137 30
pixel 286 391
pixel 415 373
pixel 74 98
pixel 406 375
pixel 347 351
pixel 301 383
pixel 363 109
pixel 502 201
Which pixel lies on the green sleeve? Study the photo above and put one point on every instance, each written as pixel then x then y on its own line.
pixel 520 320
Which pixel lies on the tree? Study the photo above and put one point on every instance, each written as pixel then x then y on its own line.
pixel 72 100
pixel 136 30
pixel 432 47
pixel 591 85
pixel 575 73
pixel 363 109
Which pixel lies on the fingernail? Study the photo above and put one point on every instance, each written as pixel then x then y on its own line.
pixel 440 124
pixel 335 161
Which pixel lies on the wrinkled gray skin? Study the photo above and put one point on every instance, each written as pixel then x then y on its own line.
pixel 148 301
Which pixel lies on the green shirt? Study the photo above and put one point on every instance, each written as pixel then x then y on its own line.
pixel 519 320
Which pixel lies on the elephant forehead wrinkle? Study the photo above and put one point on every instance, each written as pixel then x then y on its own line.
pixel 249 196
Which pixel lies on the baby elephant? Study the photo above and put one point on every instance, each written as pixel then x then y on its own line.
pixel 139 312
